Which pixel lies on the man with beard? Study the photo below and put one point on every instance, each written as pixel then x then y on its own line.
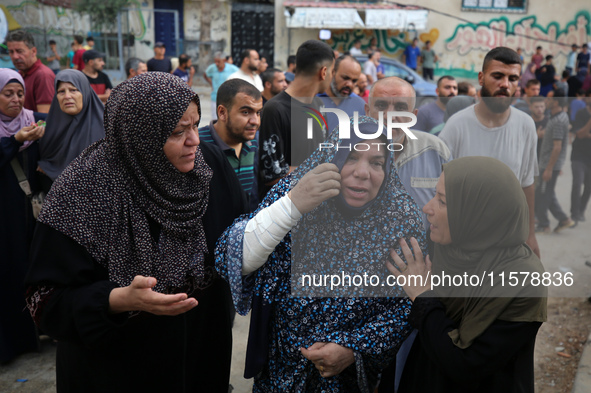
pixel 494 128
pixel 431 115
pixel 249 68
pixel 340 93
pixel 239 106
pixel 94 61
pixel 274 83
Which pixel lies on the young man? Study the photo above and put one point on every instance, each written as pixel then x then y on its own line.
pixel 93 69
pixel 39 89
pixel 159 62
pixel 532 89
pixel 466 89
pixel 537 58
pixel 363 88
pixel 248 68
pixel 134 67
pixel 428 59
pixel 274 82
pixel 431 115
pixel 216 74
pixel 552 157
pixel 547 76
pixel 78 60
pixel 185 70
pixel 280 150
pixel 370 67
pixel 340 93
pixel 537 110
pixel 412 55
pixel 53 57
pixel 571 59
pixel 89 43
pixel 355 50
pixel 239 106
pixel 493 128
pixel 582 67
pixel 581 163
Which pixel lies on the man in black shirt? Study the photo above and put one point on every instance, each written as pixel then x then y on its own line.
pixel 280 151
pixel 94 61
pixel 581 162
pixel 159 62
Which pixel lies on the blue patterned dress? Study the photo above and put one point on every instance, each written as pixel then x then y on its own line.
pixel 371 324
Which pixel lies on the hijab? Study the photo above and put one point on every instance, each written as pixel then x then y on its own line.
pixel 488 220
pixel 113 195
pixel 65 135
pixel 9 126
pixel 336 237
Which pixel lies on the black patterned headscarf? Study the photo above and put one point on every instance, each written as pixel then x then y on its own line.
pixel 121 187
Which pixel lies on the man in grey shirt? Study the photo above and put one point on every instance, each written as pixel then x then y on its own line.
pixel 552 157
pixel 53 57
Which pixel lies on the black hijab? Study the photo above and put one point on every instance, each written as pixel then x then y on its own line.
pixel 65 135
pixel 108 197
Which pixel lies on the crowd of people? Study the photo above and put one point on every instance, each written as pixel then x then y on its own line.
pixel 154 230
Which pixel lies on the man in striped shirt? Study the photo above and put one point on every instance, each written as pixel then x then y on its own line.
pixel 239 106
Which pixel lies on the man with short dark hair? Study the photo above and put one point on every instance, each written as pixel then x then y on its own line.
pixel 53 57
pixel 93 69
pixel 355 49
pixel 412 55
pixel 248 68
pixel 281 151
pixel 571 59
pixel 216 74
pixel 370 67
pixel 39 79
pixel 159 62
pixel 466 89
pixel 274 83
pixel 239 106
pixel 89 43
pixel 431 115
pixel 552 157
pixel 428 60
pixel 581 162
pixel 531 89
pixel 340 93
pixel 537 110
pixel 493 128
pixel 547 76
pixel 185 70
pixel 78 60
pixel 291 64
pixel 135 66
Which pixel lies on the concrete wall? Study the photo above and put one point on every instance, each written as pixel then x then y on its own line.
pixel 461 46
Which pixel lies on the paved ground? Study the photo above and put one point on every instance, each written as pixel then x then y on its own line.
pixel 564 252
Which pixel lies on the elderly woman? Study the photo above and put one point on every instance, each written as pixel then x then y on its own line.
pixel 19 152
pixel 474 338
pixel 337 214
pixel 74 122
pixel 122 275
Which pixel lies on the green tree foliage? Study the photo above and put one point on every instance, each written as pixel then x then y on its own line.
pixel 102 13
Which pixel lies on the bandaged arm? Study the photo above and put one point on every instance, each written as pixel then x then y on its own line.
pixel 265 231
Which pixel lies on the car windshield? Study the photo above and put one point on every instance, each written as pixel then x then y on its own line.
pixel 392 70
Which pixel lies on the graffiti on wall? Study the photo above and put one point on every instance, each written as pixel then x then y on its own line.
pixel 219 22
pixel 390 42
pixel 60 21
pixel 525 33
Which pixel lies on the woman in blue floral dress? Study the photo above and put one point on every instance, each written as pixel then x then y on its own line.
pixel 335 216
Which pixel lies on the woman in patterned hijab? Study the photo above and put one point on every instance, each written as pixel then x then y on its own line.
pixel 345 209
pixel 121 240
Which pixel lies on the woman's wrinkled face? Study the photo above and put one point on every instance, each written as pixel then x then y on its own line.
pixel 12 98
pixel 363 173
pixel 69 98
pixel 436 211
pixel 181 146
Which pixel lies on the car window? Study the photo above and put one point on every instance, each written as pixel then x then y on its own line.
pixel 392 70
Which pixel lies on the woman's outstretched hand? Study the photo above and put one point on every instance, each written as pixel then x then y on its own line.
pixel 416 272
pixel 315 187
pixel 139 296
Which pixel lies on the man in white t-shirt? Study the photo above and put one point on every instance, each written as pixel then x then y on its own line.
pixel 248 68
pixel 370 67
pixel 493 128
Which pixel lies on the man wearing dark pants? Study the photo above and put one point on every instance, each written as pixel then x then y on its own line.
pixel 581 162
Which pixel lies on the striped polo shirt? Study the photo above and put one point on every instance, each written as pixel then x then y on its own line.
pixel 245 166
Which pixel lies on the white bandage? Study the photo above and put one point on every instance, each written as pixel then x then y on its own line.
pixel 264 232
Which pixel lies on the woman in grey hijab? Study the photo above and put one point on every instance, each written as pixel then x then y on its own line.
pixel 74 122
